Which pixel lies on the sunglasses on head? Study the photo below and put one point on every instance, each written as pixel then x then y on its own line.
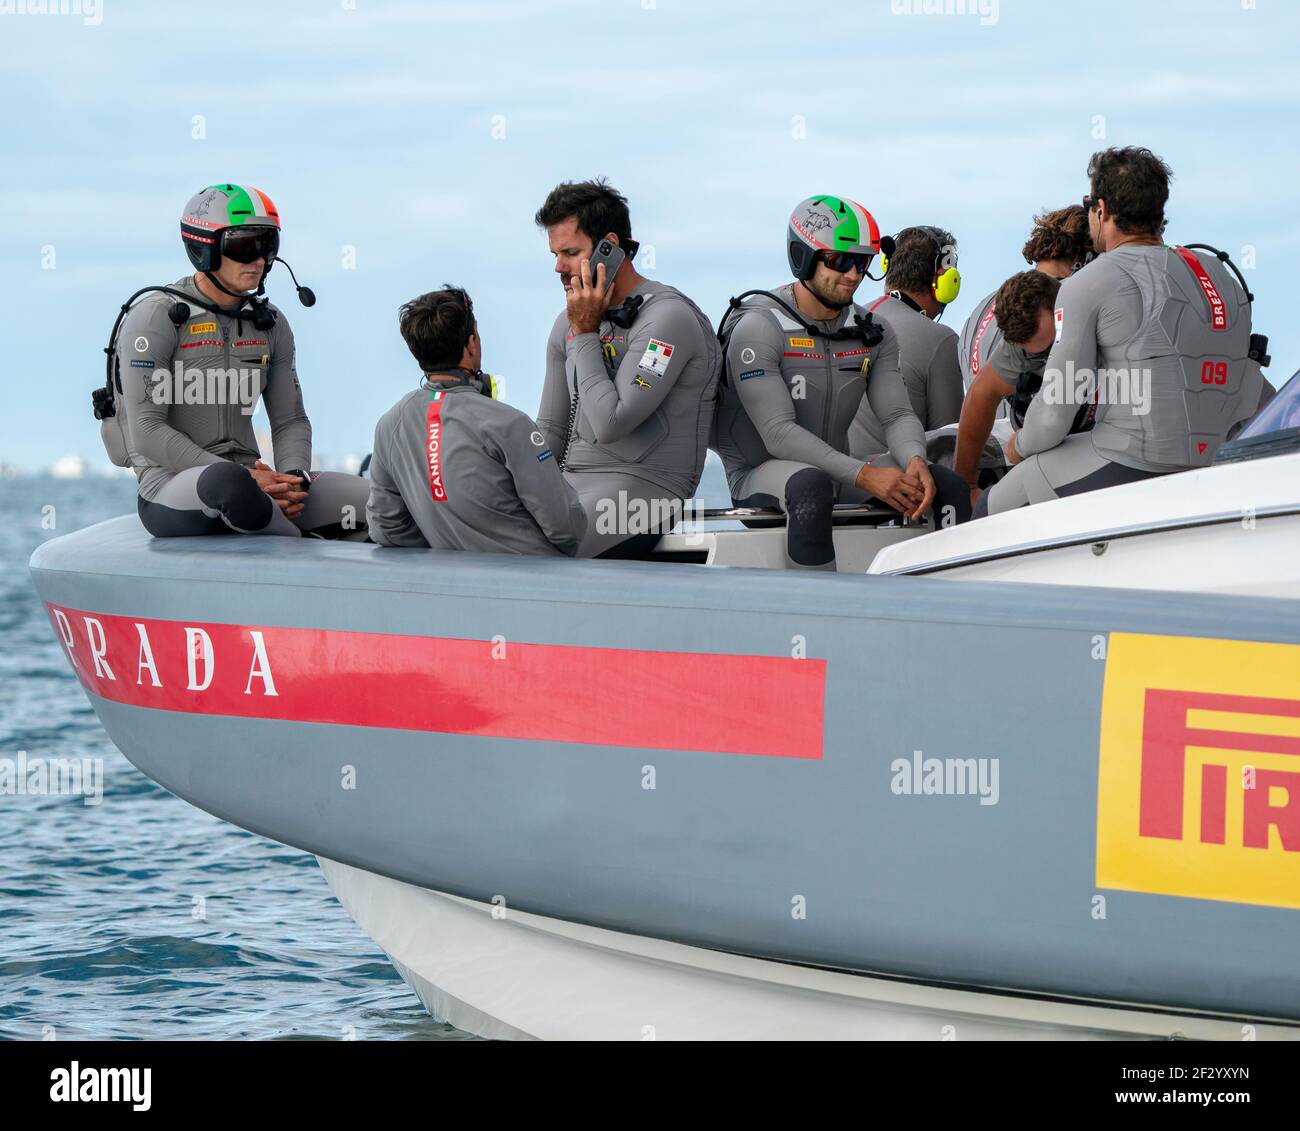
pixel 842 261
pixel 247 245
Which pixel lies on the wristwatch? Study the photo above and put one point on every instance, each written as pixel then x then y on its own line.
pixel 303 475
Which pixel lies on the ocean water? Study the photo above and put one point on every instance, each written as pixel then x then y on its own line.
pixel 143 917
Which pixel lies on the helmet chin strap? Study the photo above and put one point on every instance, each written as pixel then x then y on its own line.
pixel 824 301
pixel 242 295
pixel 256 307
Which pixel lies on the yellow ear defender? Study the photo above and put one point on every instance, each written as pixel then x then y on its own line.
pixel 947 280
pixel 946 285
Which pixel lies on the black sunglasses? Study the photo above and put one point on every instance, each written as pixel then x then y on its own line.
pixel 247 245
pixel 1089 203
pixel 841 261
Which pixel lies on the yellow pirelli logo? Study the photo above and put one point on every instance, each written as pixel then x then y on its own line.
pixel 203 328
pixel 801 343
pixel 1199 782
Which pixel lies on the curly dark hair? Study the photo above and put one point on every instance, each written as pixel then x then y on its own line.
pixel 1018 302
pixel 917 251
pixel 437 327
pixel 1134 183
pixel 1062 234
pixel 600 209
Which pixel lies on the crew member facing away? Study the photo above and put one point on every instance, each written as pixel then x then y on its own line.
pixel 1154 340
pixel 996 373
pixel 920 280
pixel 455 469
pixel 631 370
pixel 1026 305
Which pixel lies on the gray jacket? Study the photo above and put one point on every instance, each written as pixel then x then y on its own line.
pixel 206 415
pixel 455 470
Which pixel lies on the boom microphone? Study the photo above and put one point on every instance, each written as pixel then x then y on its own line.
pixel 306 295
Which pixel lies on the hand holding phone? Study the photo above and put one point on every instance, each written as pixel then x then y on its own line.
pixel 587 299
pixel 611 255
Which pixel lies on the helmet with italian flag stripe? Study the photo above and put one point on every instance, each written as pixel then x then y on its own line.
pixel 216 208
pixel 829 223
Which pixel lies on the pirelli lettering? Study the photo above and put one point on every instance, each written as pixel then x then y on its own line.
pixel 1199 782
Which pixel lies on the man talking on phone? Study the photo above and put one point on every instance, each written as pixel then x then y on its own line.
pixel 631 370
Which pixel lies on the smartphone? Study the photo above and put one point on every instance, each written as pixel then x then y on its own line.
pixel 611 255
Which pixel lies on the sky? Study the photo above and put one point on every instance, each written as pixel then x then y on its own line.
pixel 407 145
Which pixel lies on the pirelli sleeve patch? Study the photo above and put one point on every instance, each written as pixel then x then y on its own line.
pixel 656 358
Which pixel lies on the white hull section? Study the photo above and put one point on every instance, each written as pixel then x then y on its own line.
pixel 1258 560
pixel 521 976
pixel 1230 528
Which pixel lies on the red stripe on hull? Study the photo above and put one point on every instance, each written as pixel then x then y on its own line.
pixel 731 704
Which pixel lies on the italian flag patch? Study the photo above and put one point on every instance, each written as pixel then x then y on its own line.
pixel 656 357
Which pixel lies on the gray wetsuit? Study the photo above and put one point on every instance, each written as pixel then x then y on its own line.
pixel 188 395
pixel 628 412
pixel 787 401
pixel 456 470
pixel 927 356
pixel 984 347
pixel 1154 340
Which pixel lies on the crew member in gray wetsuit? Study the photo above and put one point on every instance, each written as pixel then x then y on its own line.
pixel 631 372
pixel 799 360
pixel 455 469
pixel 190 362
pixel 921 279
pixel 1156 339
pixel 997 374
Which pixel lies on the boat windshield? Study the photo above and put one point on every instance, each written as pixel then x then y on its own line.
pixel 1281 414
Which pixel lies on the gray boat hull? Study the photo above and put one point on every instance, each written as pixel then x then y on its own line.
pixel 735 759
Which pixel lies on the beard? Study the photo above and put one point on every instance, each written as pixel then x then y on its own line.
pixel 831 300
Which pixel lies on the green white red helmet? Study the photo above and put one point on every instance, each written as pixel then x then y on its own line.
pixel 829 223
pixel 214 210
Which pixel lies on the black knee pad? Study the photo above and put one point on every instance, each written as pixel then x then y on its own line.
pixel 951 496
pixel 167 522
pixel 227 488
pixel 809 502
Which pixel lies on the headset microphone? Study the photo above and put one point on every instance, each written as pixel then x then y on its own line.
pixel 306 295
pixel 886 250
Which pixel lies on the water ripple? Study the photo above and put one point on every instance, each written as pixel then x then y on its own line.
pixel 142 917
